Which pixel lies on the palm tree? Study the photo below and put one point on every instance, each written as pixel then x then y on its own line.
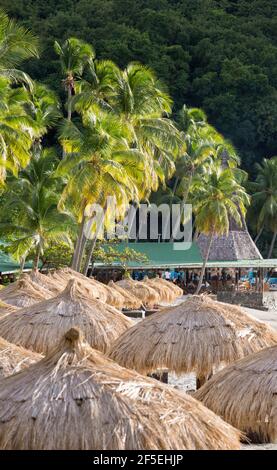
pixel 99 163
pixel 16 129
pixel 264 191
pixel 216 197
pixel 36 220
pixel 75 55
pixel 16 45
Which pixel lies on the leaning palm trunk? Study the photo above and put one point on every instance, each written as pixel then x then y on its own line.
pixel 89 256
pixel 205 263
pixel 77 248
pixel 272 244
pixel 259 234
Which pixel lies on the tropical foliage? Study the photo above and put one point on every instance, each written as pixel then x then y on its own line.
pixel 109 130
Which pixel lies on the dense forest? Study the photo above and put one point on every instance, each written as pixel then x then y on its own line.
pixel 217 55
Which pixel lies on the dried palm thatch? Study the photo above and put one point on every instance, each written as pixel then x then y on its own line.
pixel 23 293
pixel 5 309
pixel 63 276
pixel 130 301
pixel 38 327
pixel 245 395
pixel 145 293
pixel 13 359
pixel 46 282
pixel 166 294
pixel 75 398
pixel 176 289
pixel 95 289
pixel 194 336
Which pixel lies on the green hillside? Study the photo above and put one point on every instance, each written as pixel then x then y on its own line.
pixel 217 55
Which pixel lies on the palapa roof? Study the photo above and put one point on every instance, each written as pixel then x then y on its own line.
pixel 46 282
pixel 245 395
pixel 178 292
pixel 23 293
pixel 6 308
pixel 37 327
pixel 130 300
pixel 145 293
pixel 95 289
pixel 76 398
pixel 235 246
pixel 13 358
pixel 165 293
pixel 196 335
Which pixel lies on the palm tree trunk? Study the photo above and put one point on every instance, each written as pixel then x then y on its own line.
pixel 205 263
pixel 76 254
pixel 36 259
pixel 22 264
pixel 259 234
pixel 81 253
pixel 272 244
pixel 89 256
pixel 69 108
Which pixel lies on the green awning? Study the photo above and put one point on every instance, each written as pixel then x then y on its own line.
pixel 163 255
pixel 159 255
pixel 8 265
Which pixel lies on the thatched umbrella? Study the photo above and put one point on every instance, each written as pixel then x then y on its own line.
pixel 13 358
pixel 38 327
pixel 176 289
pixel 76 398
pixel 196 336
pixel 145 293
pixel 23 293
pixel 6 308
pixel 95 289
pixel 245 395
pixel 130 301
pixel 165 293
pixel 46 282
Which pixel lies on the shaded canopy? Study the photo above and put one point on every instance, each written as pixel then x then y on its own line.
pixel 39 326
pixel 165 292
pixel 95 289
pixel 130 300
pixel 245 395
pixel 46 282
pixel 23 293
pixel 13 359
pixel 6 308
pixel 197 335
pixel 76 398
pixel 145 293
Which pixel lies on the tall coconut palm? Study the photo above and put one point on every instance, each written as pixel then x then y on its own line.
pixel 99 163
pixel 264 191
pixel 16 129
pixel 216 197
pixel 16 45
pixel 75 55
pixel 36 220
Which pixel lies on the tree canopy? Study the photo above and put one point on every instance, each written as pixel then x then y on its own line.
pixel 220 55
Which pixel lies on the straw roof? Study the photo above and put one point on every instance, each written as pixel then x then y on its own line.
pixel 14 359
pixel 23 293
pixel 236 245
pixel 176 289
pixel 38 327
pixel 95 289
pixel 145 293
pixel 244 394
pixel 165 293
pixel 75 398
pixel 6 308
pixel 130 300
pixel 196 335
pixel 46 282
